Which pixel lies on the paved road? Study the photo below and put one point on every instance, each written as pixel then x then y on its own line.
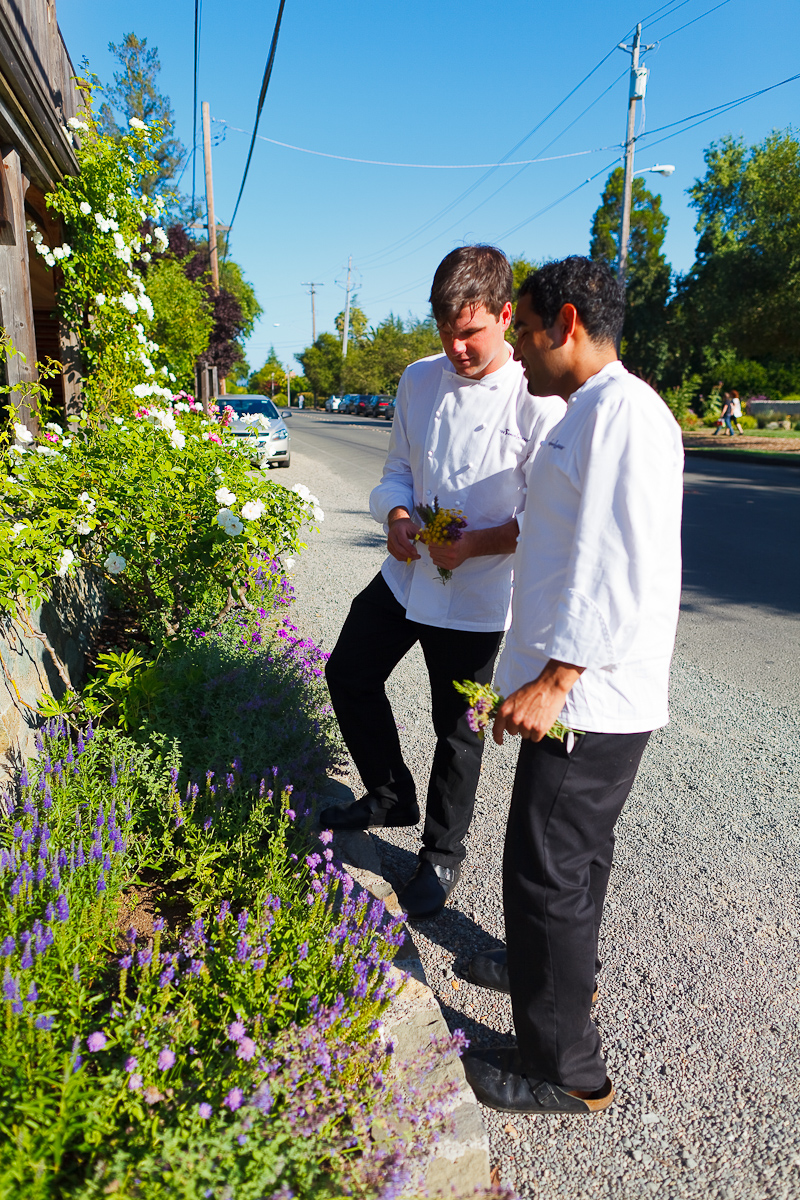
pixel 740 614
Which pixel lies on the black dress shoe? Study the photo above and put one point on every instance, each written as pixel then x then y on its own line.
pixel 428 888
pixel 497 1079
pixel 369 813
pixel 489 969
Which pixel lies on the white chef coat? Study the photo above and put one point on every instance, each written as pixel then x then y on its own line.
pixel 598 572
pixel 465 441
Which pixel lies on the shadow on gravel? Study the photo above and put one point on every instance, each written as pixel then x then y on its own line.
pixel 478 1033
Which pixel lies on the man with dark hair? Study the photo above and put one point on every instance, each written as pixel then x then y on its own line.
pixel 464 426
pixel 597 585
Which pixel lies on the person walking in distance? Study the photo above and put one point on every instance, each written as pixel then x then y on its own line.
pixel 465 424
pixel 736 413
pixel 596 592
pixel 725 415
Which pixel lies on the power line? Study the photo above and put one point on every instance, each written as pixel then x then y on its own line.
pixel 262 97
pixel 197 19
pixel 553 203
pixel 695 20
pixel 720 108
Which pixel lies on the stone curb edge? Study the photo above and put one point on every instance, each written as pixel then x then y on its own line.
pixel 460 1161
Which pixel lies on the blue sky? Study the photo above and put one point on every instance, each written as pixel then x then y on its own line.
pixel 439 83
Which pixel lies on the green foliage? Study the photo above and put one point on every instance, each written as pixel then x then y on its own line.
pixel 521 268
pixel 742 291
pixel 182 320
pixel 357 325
pixel 645 334
pixel 135 94
pixel 270 378
pixel 165 506
pixel 376 365
pixel 679 399
pixel 322 364
pixel 102 298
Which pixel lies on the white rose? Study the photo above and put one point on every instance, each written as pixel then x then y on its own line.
pixel 135 123
pixel 115 564
pixel 224 496
pixel 288 562
pixel 177 439
pixel 319 515
pixel 302 491
pixel 217 471
pixel 253 510
pixel 100 299
pixel 54 428
pixel 23 435
pixel 74 123
pixel 85 207
pixel 50 259
pixel 229 522
pixel 118 420
pixel 67 557
pixel 17 528
pixel 83 527
pixel 17 449
pixel 129 301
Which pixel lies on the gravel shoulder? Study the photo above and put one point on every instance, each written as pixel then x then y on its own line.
pixel 700 991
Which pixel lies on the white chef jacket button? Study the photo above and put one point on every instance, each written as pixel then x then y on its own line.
pixel 430 454
pixel 524 491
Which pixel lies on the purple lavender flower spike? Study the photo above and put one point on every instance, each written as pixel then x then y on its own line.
pixel 7 946
pixel 24 781
pixel 89 731
pixel 10 986
pixel 44 1022
pixel 49 912
pixel 81 857
pixel 125 963
pixel 80 745
pixel 113 780
pixel 158 924
pixel 101 883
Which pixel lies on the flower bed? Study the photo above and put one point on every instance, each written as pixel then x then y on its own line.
pixel 236 1049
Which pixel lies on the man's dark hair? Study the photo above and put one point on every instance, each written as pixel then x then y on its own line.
pixel 469 276
pixel 591 286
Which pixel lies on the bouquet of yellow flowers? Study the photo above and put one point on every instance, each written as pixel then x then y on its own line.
pixel 484 703
pixel 441 527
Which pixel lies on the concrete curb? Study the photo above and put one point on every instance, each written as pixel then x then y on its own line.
pixel 460 1161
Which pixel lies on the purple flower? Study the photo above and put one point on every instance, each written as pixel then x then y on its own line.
pixel 134 1083
pixel 44 1022
pixel 236 1031
pixel 131 1063
pixel 96 1041
pixel 246 1049
pixel 158 924
pixel 62 909
pixel 326 836
pixel 303 951
pixel 205 1111
pixel 166 1059
pixel 32 995
pixel 101 883
pixel 234 1099
pixel 286 982
pixel 7 946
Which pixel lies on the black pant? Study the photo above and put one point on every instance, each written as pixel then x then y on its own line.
pixel 558 852
pixel 375 636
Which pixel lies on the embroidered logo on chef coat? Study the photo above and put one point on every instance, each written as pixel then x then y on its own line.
pixel 513 433
pixel 556 445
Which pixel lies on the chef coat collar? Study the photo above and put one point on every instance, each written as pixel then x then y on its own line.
pixel 490 380
pixel 609 371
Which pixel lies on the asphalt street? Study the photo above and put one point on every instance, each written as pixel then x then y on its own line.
pixel 740 609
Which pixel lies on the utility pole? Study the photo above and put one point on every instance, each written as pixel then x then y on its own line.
pixel 347 308
pixel 313 287
pixel 637 91
pixel 212 225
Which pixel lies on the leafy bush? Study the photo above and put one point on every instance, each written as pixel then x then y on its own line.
pixel 163 504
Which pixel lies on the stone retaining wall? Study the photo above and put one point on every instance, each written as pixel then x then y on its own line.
pixel 67 623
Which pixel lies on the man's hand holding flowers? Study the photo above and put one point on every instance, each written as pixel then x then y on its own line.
pixel 402 535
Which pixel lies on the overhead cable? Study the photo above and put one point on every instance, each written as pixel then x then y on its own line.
pixel 262 97
pixel 197 19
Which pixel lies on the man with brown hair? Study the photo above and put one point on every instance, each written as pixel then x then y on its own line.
pixel 464 426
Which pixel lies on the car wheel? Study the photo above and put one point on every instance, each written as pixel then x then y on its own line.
pixel 284 462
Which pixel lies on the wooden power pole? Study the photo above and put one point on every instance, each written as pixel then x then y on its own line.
pixel 212 225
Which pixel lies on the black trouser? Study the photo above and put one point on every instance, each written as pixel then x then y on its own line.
pixel 375 636
pixel 558 852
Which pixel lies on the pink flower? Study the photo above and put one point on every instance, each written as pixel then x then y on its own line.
pixel 134 1083
pixel 236 1031
pixel 214 437
pixel 96 1041
pixel 166 1059
pixel 247 1049
pixel 234 1099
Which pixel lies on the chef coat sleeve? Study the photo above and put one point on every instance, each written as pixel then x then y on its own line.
pixel 625 469
pixel 396 487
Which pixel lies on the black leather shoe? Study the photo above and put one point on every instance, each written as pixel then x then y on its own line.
pixel 489 969
pixel 497 1079
pixel 428 888
pixel 369 813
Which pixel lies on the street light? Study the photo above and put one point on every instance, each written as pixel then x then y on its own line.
pixel 658 169
pixel 627 196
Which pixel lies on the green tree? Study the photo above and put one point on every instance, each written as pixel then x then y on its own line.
pixel 358 325
pixel 521 268
pixel 182 319
pixel 646 332
pixel 232 279
pixel 270 379
pixel 743 292
pixel 135 94
pixel 376 365
pixel 322 364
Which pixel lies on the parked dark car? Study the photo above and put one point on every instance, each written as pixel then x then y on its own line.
pixel 358 406
pixel 379 406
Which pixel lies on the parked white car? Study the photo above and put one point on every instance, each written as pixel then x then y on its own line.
pixel 334 403
pixel 261 428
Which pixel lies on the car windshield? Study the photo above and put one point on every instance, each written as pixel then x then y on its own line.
pixel 254 405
